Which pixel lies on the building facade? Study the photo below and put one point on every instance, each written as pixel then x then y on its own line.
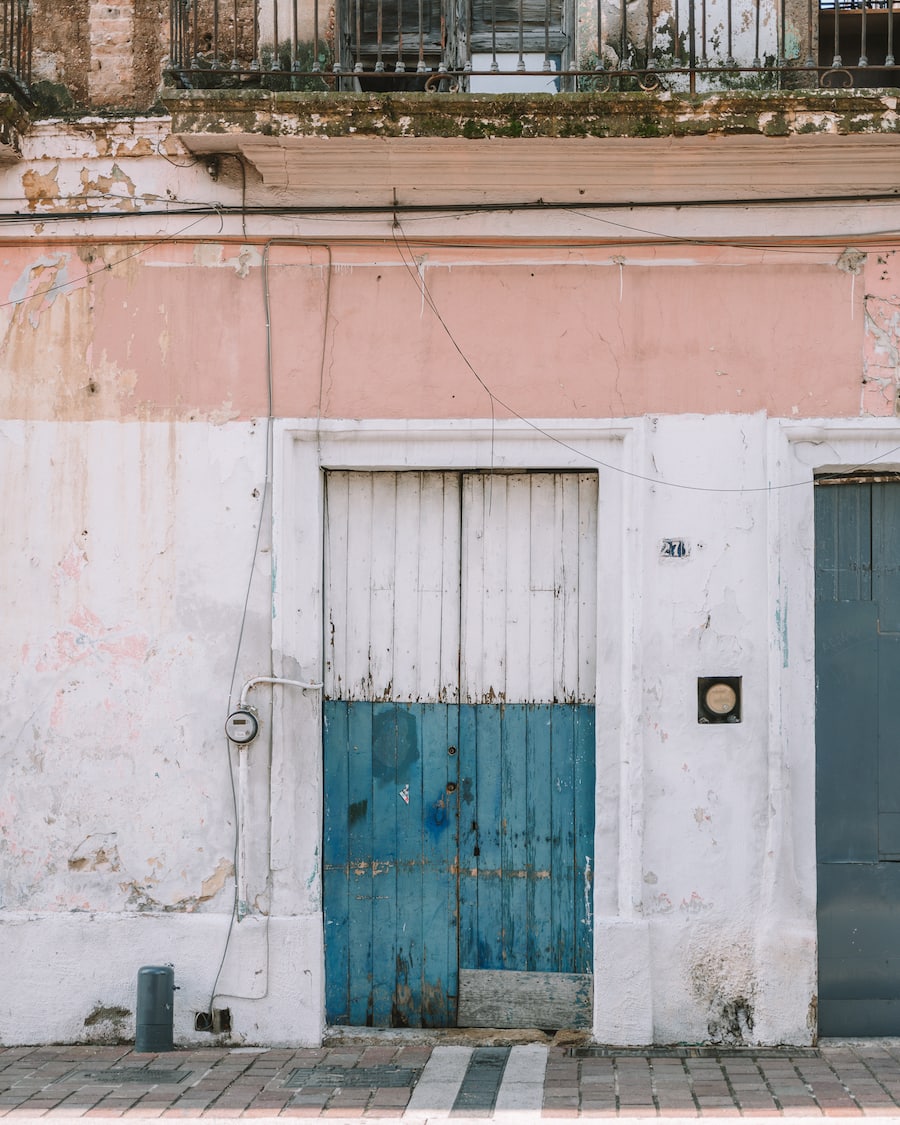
pixel 520 452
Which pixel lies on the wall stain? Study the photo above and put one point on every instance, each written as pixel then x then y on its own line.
pixel 357 812
pixel 106 1024
pixel 733 1024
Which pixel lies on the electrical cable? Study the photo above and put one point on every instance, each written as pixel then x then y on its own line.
pixel 511 206
pixel 270 415
pixel 264 495
pixel 106 268
pixel 421 284
pixel 494 399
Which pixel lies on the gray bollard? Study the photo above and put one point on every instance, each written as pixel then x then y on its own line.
pixel 155 1009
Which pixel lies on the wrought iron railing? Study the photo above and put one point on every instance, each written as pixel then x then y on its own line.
pixel 15 46
pixel 534 45
pixel 512 45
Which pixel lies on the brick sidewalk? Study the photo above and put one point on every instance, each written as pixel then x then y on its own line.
pixel 379 1080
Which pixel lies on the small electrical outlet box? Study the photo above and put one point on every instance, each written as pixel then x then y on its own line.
pixel 215 1022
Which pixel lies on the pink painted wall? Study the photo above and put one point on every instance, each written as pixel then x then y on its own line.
pixel 179 331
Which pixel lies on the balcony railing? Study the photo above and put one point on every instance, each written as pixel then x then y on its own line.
pixel 534 45
pixel 15 46
pixel 493 46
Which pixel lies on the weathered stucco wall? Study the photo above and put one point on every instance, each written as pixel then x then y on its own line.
pixel 98 54
pixel 139 331
pixel 134 380
pixel 127 571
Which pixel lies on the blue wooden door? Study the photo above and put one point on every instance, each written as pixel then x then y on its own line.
pixel 526 837
pixel 458 736
pixel 391 815
pixel 857 759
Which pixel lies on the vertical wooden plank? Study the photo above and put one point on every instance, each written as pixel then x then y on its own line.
pixel 336 530
pixel 410 549
pixel 450 616
pixel 527 550
pixel 485 527
pixel 425 628
pixel 469 828
pixel 588 497
pixel 488 797
pixel 439 920
pixel 409 814
pixel 542 550
pixel 335 858
pixel 392 556
pixel 585 804
pixel 514 579
pixel 472 569
pixel 359 819
pixel 357 603
pixel 566 633
pixel 539 908
pixel 391 738
pixel 383 587
pixel 563 836
pixel 515 821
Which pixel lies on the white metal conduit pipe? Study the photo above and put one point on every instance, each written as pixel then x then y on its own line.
pixel 305 685
pixel 243 904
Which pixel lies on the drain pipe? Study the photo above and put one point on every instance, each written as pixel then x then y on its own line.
pixel 242 727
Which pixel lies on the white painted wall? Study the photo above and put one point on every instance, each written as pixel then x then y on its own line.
pixel 704 893
pixel 129 551
pixel 117 819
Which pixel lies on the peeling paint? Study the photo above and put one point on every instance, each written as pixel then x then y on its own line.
pixel 141 899
pixel 40 188
pixel 40 284
pixel 97 852
pixel 588 919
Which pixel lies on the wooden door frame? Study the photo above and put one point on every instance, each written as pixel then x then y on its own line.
pixel 303 450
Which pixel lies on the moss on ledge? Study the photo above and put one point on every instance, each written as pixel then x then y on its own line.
pixel 480 116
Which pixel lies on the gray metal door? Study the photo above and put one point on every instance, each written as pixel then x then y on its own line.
pixel 858 755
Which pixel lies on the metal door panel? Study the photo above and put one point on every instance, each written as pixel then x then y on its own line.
pixel 846 732
pixel 857 771
pixel 886 555
pixel 863 1018
pixel 859 949
pixel 843 542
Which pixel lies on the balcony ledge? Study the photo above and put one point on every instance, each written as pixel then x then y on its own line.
pixel 473 117
pixel 443 150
